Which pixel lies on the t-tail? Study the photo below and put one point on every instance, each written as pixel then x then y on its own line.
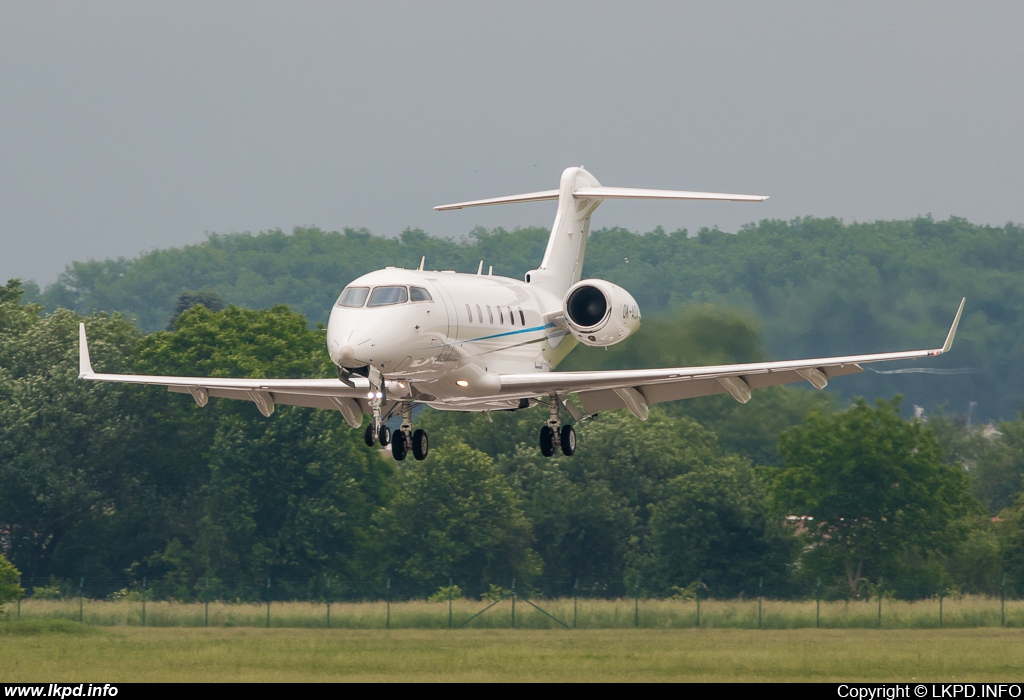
pixel 579 194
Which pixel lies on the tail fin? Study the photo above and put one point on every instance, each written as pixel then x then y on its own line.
pixel 579 194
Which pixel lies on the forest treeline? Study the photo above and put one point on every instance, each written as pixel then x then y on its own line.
pixel 817 287
pixel 796 491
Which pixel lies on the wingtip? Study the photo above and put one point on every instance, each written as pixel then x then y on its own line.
pixel 952 329
pixel 84 363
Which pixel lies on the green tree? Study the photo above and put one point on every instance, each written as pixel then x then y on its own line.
pixel 10 589
pixel 714 525
pixel 1010 529
pixel 292 496
pixel 186 300
pixel 870 486
pixel 455 516
pixel 592 512
pixel 73 472
pixel 992 456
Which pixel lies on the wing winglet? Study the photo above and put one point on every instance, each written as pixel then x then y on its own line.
pixel 84 364
pixel 952 329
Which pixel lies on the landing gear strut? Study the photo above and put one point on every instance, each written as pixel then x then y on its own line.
pixel 377 430
pixel 554 434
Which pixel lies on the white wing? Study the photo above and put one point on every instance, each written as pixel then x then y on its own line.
pixel 599 391
pixel 638 389
pixel 265 393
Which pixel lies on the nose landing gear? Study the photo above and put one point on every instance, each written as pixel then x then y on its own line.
pixel 554 434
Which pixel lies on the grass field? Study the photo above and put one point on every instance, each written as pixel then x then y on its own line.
pixel 968 611
pixel 40 651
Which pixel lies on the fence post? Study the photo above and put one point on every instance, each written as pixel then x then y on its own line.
pixel 328 602
pixel 575 594
pixel 81 611
pixel 449 602
pixel 143 601
pixel 1002 602
pixel 513 602
pixel 387 598
pixel 636 603
pixel 941 584
pixel 760 587
pixel 817 604
pixel 19 598
pixel 206 601
pixel 268 602
pixel 881 583
pixel 698 602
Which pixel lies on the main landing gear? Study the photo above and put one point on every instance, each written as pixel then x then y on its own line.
pixel 405 439
pixel 554 434
pixel 402 440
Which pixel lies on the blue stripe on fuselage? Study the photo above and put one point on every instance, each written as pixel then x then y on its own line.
pixel 502 335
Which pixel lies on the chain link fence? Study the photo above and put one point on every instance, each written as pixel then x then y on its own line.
pixel 330 603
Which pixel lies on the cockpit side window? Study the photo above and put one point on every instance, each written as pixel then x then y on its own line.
pixel 353 297
pixel 385 296
pixel 419 294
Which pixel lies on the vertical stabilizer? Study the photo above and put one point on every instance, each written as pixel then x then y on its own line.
pixel 563 259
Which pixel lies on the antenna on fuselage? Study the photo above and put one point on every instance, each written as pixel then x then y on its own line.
pixel 480 270
pixel 490 270
pixel 422 260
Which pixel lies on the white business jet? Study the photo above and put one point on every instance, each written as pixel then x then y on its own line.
pixel 480 342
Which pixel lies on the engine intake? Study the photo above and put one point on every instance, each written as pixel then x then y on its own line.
pixel 600 313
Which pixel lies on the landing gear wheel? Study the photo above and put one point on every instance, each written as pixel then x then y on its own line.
pixel 568 440
pixel 547 441
pixel 399 446
pixel 384 435
pixel 420 445
pixel 370 436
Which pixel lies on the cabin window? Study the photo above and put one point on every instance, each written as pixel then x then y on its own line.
pixel 385 296
pixel 522 317
pixel 490 316
pixel 479 314
pixel 501 317
pixel 353 297
pixel 511 317
pixel 419 294
pixel 469 313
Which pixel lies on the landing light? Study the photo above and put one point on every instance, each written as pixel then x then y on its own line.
pixel 369 394
pixel 462 383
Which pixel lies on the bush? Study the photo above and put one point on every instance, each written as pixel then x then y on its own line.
pixel 9 582
pixel 446 593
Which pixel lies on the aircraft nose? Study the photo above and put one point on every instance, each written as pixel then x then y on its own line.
pixel 346 355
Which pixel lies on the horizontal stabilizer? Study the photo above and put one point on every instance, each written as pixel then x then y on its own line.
pixel 634 193
pixel 607 193
pixel 511 199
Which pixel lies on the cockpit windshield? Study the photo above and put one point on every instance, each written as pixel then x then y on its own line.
pixel 353 297
pixel 385 296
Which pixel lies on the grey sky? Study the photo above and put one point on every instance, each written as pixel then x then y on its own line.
pixel 128 126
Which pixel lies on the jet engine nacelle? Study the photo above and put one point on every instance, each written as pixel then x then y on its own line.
pixel 600 313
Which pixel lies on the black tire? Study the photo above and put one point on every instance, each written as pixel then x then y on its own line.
pixel 399 446
pixel 370 436
pixel 384 436
pixel 568 440
pixel 420 445
pixel 547 441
